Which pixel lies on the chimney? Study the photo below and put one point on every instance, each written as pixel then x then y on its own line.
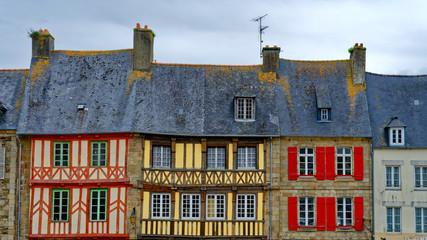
pixel 42 44
pixel 143 40
pixel 270 59
pixel 358 62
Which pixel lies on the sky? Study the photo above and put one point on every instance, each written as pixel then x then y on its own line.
pixel 221 31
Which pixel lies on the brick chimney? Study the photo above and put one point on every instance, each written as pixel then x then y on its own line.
pixel 270 59
pixel 143 41
pixel 42 43
pixel 358 63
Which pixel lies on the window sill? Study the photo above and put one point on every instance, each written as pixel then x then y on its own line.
pixel 303 178
pixel 244 120
pixel 307 228
pixel 344 179
pixel 324 121
pixel 345 229
pixel 420 189
pixel 394 233
pixel 393 189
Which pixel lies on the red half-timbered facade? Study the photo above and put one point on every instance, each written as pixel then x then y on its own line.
pixel 79 186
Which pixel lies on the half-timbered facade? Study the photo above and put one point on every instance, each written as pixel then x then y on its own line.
pixel 78 186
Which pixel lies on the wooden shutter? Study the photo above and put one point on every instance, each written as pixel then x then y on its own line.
pixel 320 163
pixel 330 163
pixel 358 213
pixel 2 162
pixel 321 214
pixel 331 221
pixel 292 213
pixel 358 163
pixel 292 163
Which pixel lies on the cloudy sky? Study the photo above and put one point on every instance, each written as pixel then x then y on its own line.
pixel 221 31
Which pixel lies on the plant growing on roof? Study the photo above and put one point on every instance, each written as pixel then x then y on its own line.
pixel 35 34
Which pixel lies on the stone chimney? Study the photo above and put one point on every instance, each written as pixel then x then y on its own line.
pixel 143 41
pixel 358 63
pixel 42 44
pixel 270 59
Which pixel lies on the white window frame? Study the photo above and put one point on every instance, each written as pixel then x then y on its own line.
pixel 422 177
pixel 164 208
pixel 163 160
pixel 304 212
pixel 324 114
pixel 245 109
pixel 304 162
pixel 343 213
pixel 393 177
pixel 218 206
pixel 2 162
pixel 397 136
pixel 394 211
pixel 193 206
pixel 421 226
pixel 246 205
pixel 213 157
pixel 244 157
pixel 342 157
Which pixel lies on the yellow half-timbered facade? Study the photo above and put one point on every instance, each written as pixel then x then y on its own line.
pixel 202 187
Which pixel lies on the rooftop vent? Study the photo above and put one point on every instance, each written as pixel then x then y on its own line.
pixel 416 102
pixel 3 108
pixel 81 107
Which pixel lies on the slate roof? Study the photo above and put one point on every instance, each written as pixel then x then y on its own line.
pixel 12 83
pixel 171 99
pixel 397 96
pixel 297 101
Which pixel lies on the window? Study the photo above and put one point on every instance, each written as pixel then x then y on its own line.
pixel 160 206
pixel 245 206
pixel 324 114
pixel 344 165
pixel 215 207
pixel 190 206
pixel 344 212
pixel 98 205
pixel 2 162
pixel 421 177
pixel 60 201
pixel 61 154
pixel 397 137
pixel 246 157
pixel 393 220
pixel 216 157
pixel 306 161
pixel 245 109
pixel 306 211
pixel 392 177
pixel 421 220
pixel 99 154
pixel 162 156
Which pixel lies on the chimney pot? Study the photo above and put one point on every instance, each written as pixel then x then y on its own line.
pixel 146 27
pixel 138 25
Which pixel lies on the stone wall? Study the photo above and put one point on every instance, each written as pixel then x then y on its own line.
pixel 8 186
pixel 25 188
pixel 340 187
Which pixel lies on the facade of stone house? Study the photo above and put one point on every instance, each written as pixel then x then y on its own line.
pixel 398 110
pixel 321 162
pixel 12 83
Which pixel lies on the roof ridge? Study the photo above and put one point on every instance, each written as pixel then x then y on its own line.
pixel 22 69
pixel 396 75
pixel 291 60
pixel 203 65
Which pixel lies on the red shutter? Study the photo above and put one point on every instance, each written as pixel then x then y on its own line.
pixel 292 163
pixel 321 214
pixel 331 215
pixel 358 163
pixel 292 213
pixel 320 163
pixel 330 163
pixel 358 213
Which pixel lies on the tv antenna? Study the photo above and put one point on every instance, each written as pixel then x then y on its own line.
pixel 261 31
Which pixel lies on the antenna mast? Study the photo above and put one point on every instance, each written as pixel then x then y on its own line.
pixel 261 31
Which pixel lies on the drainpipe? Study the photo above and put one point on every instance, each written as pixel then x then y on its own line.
pixel 372 184
pixel 19 186
pixel 271 180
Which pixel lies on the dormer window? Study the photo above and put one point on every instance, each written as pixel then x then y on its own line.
pixel 324 115
pixel 323 104
pixel 397 136
pixel 245 109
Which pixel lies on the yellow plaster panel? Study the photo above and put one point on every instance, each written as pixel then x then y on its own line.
pixel 143 227
pixel 260 205
pixel 256 229
pixel 112 154
pixel 197 155
pixel 179 155
pixel 261 156
pixel 177 201
pixel 37 154
pixel 147 154
pixel 146 204
pixel 75 153
pixel 230 156
pixel 189 155
pixel 84 153
pixel 122 153
pixel 229 206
